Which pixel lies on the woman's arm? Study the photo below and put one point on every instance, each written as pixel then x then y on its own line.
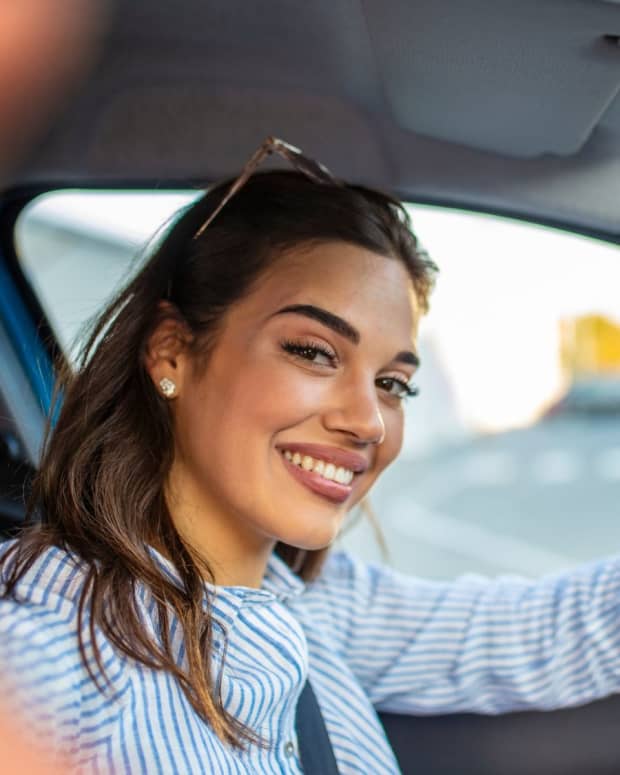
pixel 476 644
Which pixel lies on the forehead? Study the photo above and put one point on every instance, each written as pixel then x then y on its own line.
pixel 366 288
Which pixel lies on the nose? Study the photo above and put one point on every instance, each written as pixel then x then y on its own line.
pixel 356 413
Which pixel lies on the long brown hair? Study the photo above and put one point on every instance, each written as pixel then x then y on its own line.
pixel 100 489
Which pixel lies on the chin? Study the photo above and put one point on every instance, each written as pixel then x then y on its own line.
pixel 314 546
pixel 314 540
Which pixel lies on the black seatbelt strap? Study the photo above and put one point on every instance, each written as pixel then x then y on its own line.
pixel 315 749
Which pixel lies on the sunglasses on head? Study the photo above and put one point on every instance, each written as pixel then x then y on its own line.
pixel 309 167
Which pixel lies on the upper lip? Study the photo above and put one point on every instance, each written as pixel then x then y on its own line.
pixel 339 457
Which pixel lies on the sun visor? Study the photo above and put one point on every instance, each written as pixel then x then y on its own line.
pixel 541 74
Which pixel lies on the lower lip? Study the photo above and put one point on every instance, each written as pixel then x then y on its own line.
pixel 334 491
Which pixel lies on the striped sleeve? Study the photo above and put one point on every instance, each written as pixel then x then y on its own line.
pixel 476 644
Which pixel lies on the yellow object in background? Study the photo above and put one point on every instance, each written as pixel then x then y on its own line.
pixel 590 346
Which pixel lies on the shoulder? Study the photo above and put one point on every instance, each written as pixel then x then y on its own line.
pixel 53 582
pixel 41 610
pixel 345 572
pixel 346 582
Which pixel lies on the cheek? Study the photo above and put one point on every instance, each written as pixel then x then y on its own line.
pixel 281 397
pixel 242 407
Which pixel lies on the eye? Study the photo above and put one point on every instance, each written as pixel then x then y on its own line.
pixel 310 351
pixel 397 387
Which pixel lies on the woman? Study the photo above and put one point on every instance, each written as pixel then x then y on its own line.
pixel 231 406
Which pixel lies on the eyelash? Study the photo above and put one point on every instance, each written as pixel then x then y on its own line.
pixel 308 350
pixel 409 390
pixel 299 348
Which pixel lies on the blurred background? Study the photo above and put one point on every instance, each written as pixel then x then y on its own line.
pixel 511 461
pixel 47 50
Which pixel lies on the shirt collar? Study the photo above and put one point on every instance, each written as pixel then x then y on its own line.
pixel 279 581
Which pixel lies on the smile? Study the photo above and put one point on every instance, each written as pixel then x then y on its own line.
pixel 325 470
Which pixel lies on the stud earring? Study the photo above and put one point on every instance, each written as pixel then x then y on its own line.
pixel 168 388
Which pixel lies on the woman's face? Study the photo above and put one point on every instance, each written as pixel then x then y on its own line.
pixel 300 406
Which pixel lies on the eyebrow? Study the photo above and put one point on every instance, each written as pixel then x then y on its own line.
pixel 342 327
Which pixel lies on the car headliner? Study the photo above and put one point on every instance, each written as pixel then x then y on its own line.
pixel 491 104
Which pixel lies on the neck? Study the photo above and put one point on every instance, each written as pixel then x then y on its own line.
pixel 235 555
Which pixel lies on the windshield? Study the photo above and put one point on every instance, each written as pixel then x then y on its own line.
pixel 512 451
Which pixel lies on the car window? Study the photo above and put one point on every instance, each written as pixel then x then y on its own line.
pixel 511 459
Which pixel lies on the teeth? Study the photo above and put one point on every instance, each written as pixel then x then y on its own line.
pixel 330 471
pixel 326 470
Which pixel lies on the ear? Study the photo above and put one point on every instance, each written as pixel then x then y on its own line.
pixel 167 355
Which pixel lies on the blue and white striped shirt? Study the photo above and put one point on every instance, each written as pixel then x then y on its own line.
pixel 369 638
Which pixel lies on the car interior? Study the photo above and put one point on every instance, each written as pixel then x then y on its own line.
pixel 494 106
